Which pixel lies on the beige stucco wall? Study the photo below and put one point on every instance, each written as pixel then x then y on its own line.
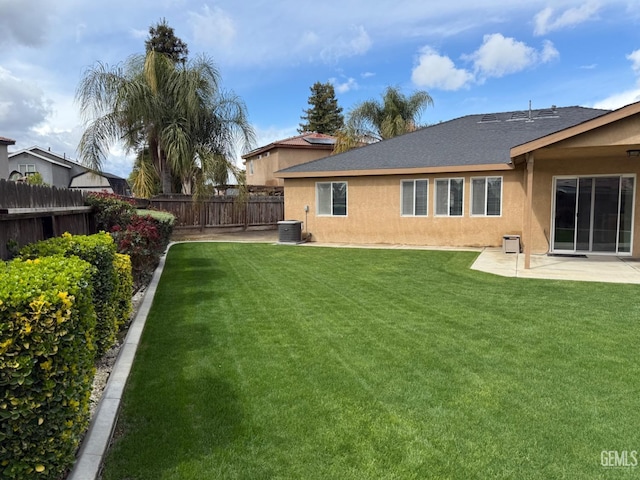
pixel 279 159
pixel 373 213
pixel 374 201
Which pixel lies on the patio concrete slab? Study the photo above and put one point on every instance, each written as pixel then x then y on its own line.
pixel 590 268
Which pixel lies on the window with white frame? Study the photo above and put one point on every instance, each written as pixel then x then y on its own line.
pixel 414 197
pixel 486 196
pixel 331 198
pixel 250 167
pixel 449 196
pixel 27 169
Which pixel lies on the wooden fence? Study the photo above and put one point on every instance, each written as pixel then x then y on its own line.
pixel 223 211
pixel 30 213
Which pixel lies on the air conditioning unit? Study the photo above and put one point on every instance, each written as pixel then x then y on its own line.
pixel 290 231
pixel 511 244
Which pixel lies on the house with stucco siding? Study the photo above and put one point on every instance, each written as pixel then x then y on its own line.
pixel 563 180
pixel 262 163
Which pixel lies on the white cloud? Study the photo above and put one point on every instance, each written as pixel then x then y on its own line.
pixel 357 42
pixel 308 39
pixel 619 100
pixel 344 87
pixel 23 105
pixel 545 22
pixel 499 56
pixel 24 21
pixel 635 61
pixel 139 33
pixel 212 27
pixel 549 52
pixel 437 71
pixel 367 74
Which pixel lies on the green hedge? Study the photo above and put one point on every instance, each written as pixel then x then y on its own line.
pixel 99 250
pixel 47 355
pixel 124 288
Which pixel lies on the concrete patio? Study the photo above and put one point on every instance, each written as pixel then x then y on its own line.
pixel 590 268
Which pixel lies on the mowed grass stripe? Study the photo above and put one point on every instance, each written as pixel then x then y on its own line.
pixel 267 361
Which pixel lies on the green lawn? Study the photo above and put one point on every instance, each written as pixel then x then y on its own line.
pixel 282 362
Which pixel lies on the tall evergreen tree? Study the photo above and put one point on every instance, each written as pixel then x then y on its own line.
pixel 162 39
pixel 324 115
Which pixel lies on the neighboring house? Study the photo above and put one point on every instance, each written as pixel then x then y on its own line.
pixel 563 179
pixel 4 156
pixel 100 182
pixel 60 171
pixel 263 162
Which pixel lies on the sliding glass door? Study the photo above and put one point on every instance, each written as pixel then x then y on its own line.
pixel 593 214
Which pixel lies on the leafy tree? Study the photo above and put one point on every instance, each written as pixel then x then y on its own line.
pixel 36 179
pixel 396 115
pixel 162 39
pixel 187 123
pixel 324 116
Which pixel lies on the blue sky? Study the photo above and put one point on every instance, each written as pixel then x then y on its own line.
pixel 472 57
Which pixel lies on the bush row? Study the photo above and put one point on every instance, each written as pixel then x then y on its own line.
pixel 47 354
pixel 143 235
pixel 100 251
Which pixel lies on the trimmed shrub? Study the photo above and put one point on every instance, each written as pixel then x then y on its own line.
pixel 165 222
pixel 143 236
pixel 140 240
pixel 111 210
pixel 124 288
pixel 47 355
pixel 99 250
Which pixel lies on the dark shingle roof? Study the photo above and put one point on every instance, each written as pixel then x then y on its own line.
pixel 470 140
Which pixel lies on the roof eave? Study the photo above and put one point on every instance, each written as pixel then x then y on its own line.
pixel 397 171
pixel 274 146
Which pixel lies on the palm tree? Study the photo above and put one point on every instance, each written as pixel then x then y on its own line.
pixel 396 115
pixel 177 114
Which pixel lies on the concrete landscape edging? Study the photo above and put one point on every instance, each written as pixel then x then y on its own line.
pixel 96 442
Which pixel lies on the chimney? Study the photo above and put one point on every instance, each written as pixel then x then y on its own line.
pixel 4 157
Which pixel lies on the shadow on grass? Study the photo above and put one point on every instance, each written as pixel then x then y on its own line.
pixel 196 418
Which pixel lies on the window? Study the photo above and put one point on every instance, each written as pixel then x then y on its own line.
pixel 486 196
pixel 449 196
pixel 250 167
pixel 26 169
pixel 331 198
pixel 414 197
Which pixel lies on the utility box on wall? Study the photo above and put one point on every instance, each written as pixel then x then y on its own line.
pixel 290 231
pixel 511 244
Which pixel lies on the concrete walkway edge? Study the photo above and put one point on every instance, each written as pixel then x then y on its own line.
pixel 96 442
